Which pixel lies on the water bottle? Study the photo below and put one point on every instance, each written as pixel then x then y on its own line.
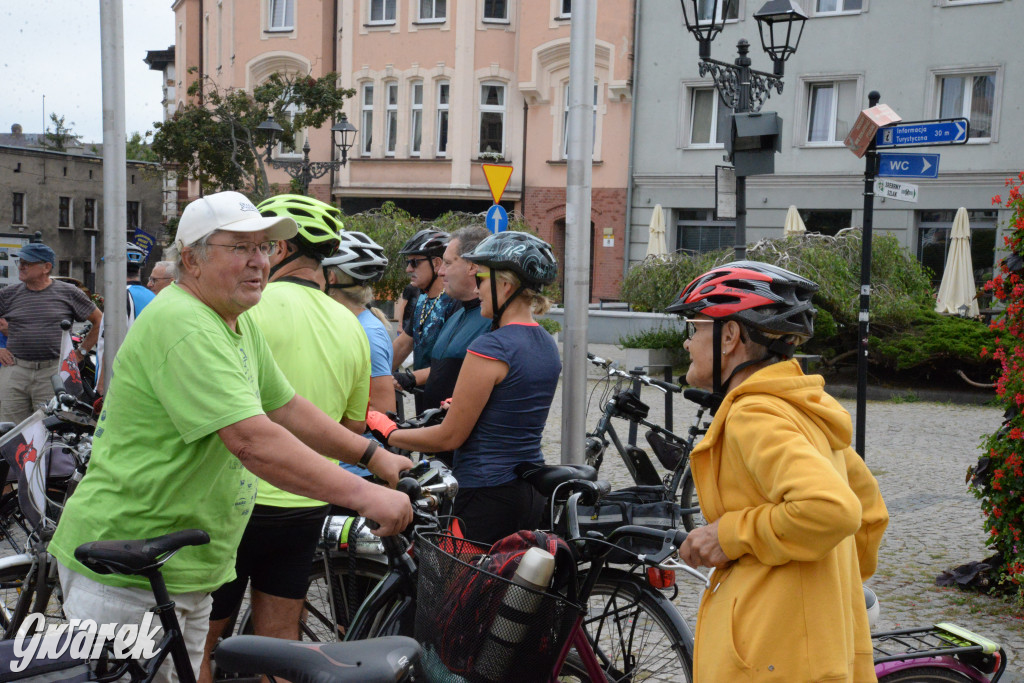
pixel 509 627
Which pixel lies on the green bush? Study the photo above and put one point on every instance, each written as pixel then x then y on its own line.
pixel 553 327
pixel 662 338
pixel 932 341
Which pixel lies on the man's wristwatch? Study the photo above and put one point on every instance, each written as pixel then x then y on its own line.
pixel 368 454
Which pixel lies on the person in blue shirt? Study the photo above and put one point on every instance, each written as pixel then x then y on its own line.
pixel 503 393
pixel 138 294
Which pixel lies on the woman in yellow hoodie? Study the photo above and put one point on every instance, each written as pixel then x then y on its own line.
pixel 795 517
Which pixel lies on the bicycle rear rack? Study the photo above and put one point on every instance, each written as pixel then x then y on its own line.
pixel 940 640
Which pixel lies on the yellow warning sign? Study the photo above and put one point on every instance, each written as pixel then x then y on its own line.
pixel 497 179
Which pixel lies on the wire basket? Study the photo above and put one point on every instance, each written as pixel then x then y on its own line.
pixel 477 626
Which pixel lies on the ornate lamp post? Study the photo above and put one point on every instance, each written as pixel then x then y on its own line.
pixel 745 90
pixel 306 171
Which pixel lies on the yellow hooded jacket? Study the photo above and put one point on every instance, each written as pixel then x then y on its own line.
pixel 802 519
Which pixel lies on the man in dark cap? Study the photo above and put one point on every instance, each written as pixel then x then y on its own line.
pixel 34 309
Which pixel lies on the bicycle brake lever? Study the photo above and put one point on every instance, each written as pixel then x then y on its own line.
pixel 676 564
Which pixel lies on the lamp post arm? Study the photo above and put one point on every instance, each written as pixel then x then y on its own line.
pixel 729 79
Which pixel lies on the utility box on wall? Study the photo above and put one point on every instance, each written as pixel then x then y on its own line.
pixel 755 139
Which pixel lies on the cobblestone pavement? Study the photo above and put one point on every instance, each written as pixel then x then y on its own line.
pixel 920 453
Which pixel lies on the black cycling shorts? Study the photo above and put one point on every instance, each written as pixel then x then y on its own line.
pixel 494 512
pixel 276 552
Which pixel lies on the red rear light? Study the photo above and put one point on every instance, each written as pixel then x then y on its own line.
pixel 661 578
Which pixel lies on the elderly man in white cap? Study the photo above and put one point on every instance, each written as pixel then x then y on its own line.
pixel 196 410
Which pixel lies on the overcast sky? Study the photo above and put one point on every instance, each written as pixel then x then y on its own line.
pixel 51 48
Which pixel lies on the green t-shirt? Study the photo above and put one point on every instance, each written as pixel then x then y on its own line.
pixel 323 351
pixel 158 464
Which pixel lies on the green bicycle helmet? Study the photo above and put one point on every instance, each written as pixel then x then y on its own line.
pixel 319 223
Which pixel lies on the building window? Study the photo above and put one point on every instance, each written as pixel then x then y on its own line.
pixel 298 136
pixel 391 119
pixel 831 110
pixel 971 97
pixel 64 212
pixel 382 11
pixel 367 119
pixel 564 8
pixel 443 90
pixel 704 11
pixel 18 208
pixel 492 118
pixel 415 118
pixel 826 221
pixel 63 268
pixel 697 231
pixel 838 6
pixel 134 216
pixel 89 222
pixel 432 10
pixel 282 15
pixel 709 118
pixel 565 123
pixel 496 9
pixel 934 228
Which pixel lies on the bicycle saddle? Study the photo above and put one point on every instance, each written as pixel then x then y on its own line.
pixel 139 556
pixel 367 661
pixel 6 427
pixel 546 478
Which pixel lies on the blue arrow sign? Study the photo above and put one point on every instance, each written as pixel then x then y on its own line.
pixel 923 133
pixel 497 219
pixel 897 165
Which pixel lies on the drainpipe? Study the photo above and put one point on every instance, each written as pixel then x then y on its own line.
pixel 632 136
pixel 522 176
pixel 334 65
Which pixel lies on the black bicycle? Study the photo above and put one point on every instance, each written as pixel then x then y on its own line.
pixel 622 401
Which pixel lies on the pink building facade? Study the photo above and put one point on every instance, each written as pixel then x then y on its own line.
pixel 441 87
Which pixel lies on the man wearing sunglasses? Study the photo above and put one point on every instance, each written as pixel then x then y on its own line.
pixel 423 258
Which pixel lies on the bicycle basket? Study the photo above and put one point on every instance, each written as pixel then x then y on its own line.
pixel 475 625
pixel 641 505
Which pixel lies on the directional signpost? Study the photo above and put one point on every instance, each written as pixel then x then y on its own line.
pixel 899 165
pixel 924 133
pixel 901 192
pixel 497 180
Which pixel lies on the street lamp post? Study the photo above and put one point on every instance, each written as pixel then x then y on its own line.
pixel 745 90
pixel 306 171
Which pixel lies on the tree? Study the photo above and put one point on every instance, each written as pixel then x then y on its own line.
pixel 215 140
pixel 61 137
pixel 139 148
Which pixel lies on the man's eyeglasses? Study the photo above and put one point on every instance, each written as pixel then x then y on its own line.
pixel 414 262
pixel 691 325
pixel 249 249
pixel 159 279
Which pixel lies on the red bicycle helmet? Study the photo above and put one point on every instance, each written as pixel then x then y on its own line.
pixel 763 297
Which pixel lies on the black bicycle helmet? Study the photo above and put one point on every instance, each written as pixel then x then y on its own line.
pixel 428 242
pixel 526 255
pixel 763 298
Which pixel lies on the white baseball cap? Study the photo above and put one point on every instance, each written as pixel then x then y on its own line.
pixel 228 211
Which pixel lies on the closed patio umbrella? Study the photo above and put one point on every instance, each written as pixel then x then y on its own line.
pixel 958 289
pixel 794 225
pixel 656 245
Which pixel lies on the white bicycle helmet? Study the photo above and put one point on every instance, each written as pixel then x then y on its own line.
pixel 135 254
pixel 359 257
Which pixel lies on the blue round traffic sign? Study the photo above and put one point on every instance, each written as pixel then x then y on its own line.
pixel 497 219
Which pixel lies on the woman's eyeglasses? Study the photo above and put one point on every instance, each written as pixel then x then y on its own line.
pixel 691 325
pixel 482 275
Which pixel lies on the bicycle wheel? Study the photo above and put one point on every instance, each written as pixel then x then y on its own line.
pixel 688 501
pixel 926 674
pixel 349 585
pixel 22 593
pixel 636 633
